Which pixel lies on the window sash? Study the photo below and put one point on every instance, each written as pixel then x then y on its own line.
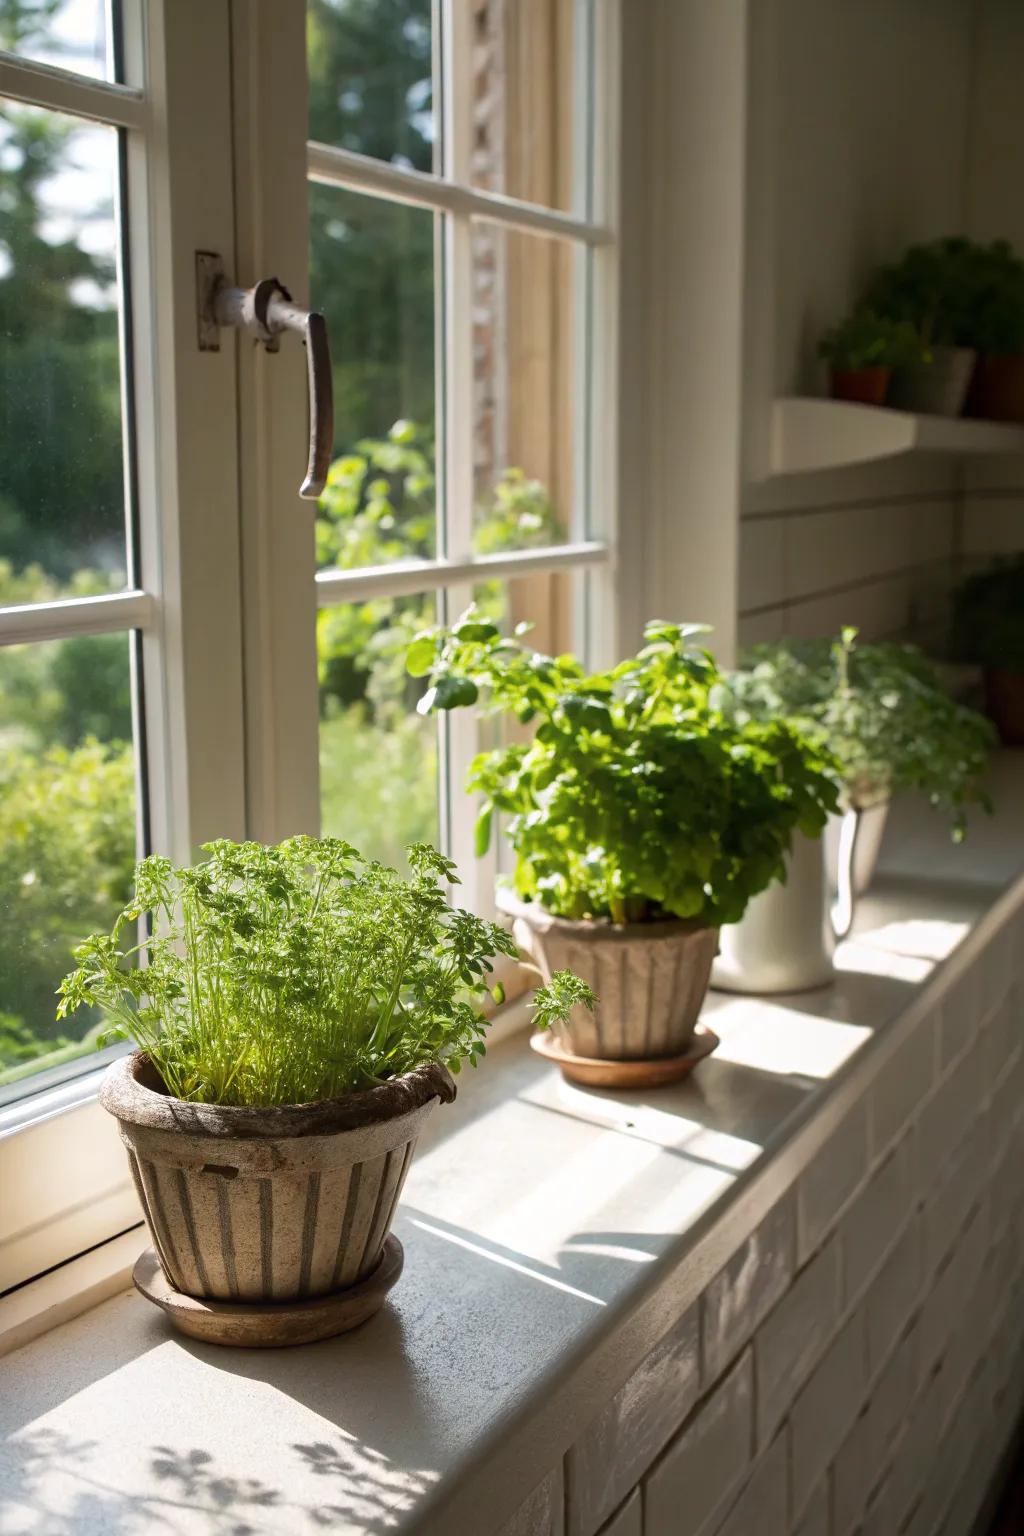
pixel 181 56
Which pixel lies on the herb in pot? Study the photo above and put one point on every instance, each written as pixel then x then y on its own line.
pixel 988 630
pixel 298 1013
pixel 863 350
pixel 296 973
pixel 636 806
pixel 882 712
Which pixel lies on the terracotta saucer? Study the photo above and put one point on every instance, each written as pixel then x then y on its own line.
pixel 595 1072
pixel 271 1324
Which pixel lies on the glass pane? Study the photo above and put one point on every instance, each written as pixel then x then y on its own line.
pixel 524 99
pixel 372 274
pixel 62 513
pixel 525 405
pixel 371 85
pixel 73 34
pixel 378 757
pixel 548 601
pixel 67 831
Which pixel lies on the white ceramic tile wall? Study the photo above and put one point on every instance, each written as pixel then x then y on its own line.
pixel 885 563
pixel 862 1353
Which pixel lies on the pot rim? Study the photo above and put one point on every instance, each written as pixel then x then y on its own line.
pixel 127 1096
pixel 593 929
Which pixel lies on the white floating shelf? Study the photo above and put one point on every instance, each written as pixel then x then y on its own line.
pixel 827 434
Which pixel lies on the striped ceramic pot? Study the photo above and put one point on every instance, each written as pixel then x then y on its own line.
pixel 269 1205
pixel 650 979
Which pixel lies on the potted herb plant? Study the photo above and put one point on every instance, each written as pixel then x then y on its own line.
pixel 889 724
pixel 298 1013
pixel 997 387
pixel 641 820
pixel 988 630
pixel 933 287
pixel 862 352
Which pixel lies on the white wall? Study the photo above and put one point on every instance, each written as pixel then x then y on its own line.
pixel 858 145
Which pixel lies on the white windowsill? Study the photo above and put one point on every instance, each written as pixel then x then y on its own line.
pixel 552 1235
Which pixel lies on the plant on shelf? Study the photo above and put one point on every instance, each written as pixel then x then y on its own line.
pixel 298 1010
pixel 883 713
pixel 997 387
pixel 862 352
pixel 965 299
pixel 641 818
pixel 988 631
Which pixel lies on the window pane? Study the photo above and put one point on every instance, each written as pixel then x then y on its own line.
pixel 371 83
pixel 62 514
pixel 524 99
pixel 525 404
pixel 73 34
pixel 549 601
pixel 67 831
pixel 378 757
pixel 372 274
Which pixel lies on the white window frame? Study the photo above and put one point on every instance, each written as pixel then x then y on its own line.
pixel 227 567
pixel 61 1170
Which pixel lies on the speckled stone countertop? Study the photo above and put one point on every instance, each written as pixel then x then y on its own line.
pixel 552 1234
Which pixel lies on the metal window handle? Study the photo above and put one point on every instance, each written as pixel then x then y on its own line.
pixel 266 310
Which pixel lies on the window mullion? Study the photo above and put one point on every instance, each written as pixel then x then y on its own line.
pixel 460 729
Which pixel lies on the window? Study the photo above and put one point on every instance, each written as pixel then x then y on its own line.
pixel 185 650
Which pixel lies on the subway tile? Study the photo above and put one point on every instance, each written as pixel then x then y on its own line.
pixel 762 1507
pixel 826 1408
pixel 961 1015
pixel 850 1480
pixel 951 1199
pixel 543 1513
pixel 944 1120
pixel 628 1519
pixel 876 1218
pixel 690 1488
pixel 892 1296
pixel 761 579
pixel 816 1520
pixel 791 1338
pixel 889 1404
pixel 616 1449
pixel 745 1290
pixel 831 1179
pixel 903 1084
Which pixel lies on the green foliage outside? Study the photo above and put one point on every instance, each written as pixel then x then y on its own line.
pixel 988 616
pixel 636 798
pixel 296 973
pixel 882 712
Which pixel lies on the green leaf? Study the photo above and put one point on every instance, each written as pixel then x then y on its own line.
pixel 420 656
pixel 450 691
pixel 482 829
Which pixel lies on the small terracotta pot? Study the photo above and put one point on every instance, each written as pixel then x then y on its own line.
pixel 1004 704
pixel 997 389
pixel 867 386
pixel 269 1205
pixel 650 979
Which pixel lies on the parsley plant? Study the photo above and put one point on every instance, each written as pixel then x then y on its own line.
pixel 293 973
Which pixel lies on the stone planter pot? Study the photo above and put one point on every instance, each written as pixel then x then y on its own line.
pixel 650 979
pixel 784 941
pixel 938 388
pixel 275 1207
